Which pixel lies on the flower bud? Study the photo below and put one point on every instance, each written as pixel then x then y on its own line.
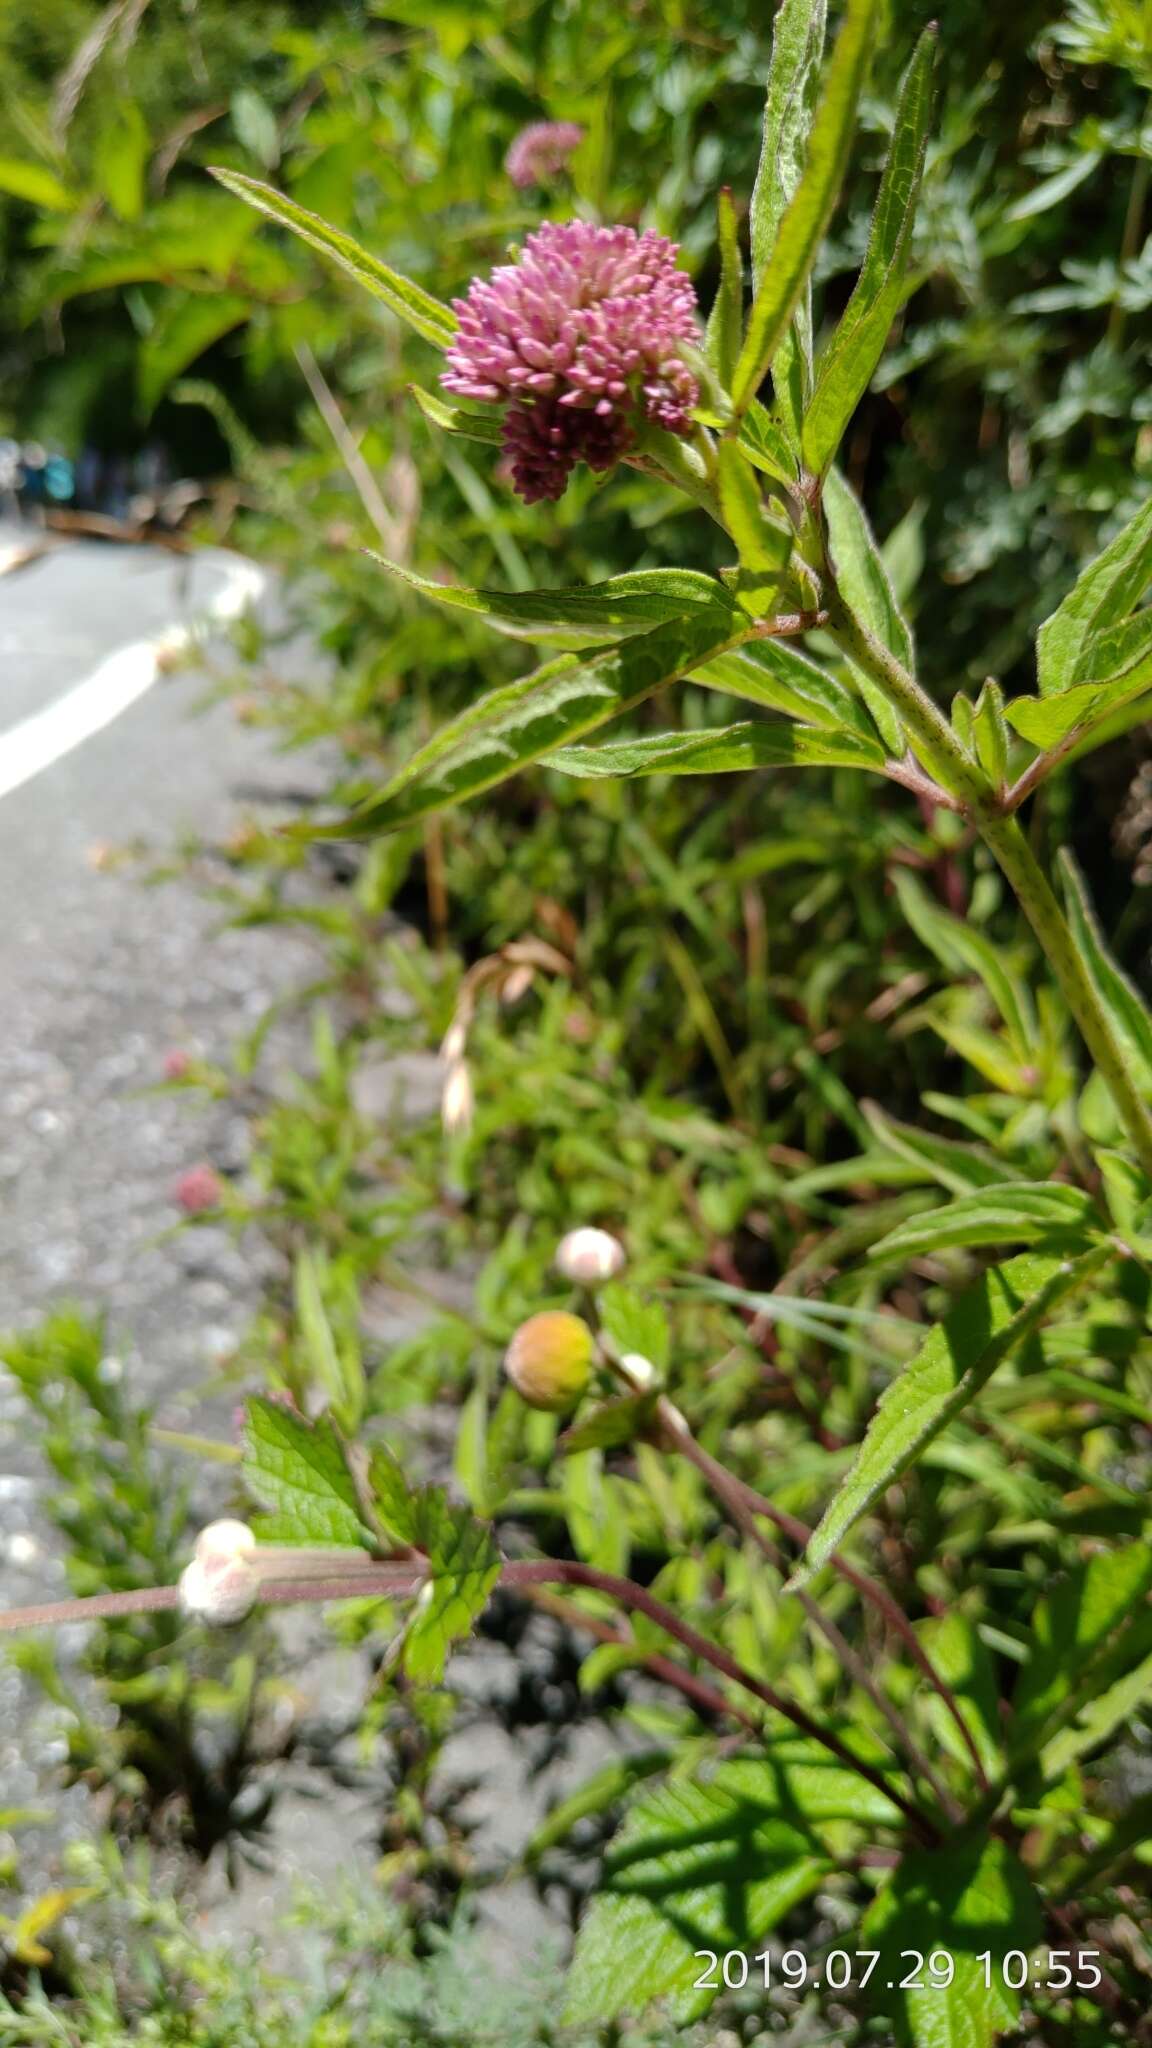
pixel 549 1360
pixel 458 1101
pixel 198 1189
pixel 638 1371
pixel 221 1592
pixel 221 1542
pixel 176 1064
pixel 589 1257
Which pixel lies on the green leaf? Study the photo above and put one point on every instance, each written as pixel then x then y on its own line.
pixel 766 445
pixel 1075 1628
pixel 120 159
pixel 784 271
pixel 37 185
pixel 1127 1012
pixel 463 1567
pixel 695 1866
pixel 393 1500
pixel 635 1322
pixel 965 1664
pixel 337 1374
pixel 298 1470
pixel 516 724
pixel 471 422
pixel 609 1425
pixel 1015 1212
pixel 866 586
pixel 725 328
pixel 1103 595
pixel 255 126
pixel 947 1161
pixel 731 750
pixel 1084 707
pixel 962 948
pixel 962 1899
pixel 846 365
pixel 605 1789
pixel 410 302
pixel 624 605
pixel 955 1361
pixel 184 327
pixel 764 545
pixel 790 97
pixel 990 732
pixel 775 673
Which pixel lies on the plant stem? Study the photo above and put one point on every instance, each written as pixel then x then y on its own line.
pixel 1005 840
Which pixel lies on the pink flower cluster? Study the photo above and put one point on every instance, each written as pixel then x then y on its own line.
pixel 541 151
pixel 581 337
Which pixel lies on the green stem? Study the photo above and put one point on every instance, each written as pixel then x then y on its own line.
pixel 1005 840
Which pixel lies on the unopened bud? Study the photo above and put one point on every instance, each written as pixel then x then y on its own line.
pixel 455 1042
pixel 638 1371
pixel 549 1360
pixel 222 1541
pixel 458 1101
pixel 221 1592
pixel 517 984
pixel 176 1064
pixel 589 1257
pixel 198 1189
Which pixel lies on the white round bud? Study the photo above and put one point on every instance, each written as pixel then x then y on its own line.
pixel 222 1541
pixel 589 1257
pixel 221 1592
pixel 638 1371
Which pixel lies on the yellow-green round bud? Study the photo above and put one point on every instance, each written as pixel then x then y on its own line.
pixel 549 1360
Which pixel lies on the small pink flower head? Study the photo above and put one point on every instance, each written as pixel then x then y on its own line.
pixel 176 1064
pixel 541 151
pixel 580 337
pixel 199 1188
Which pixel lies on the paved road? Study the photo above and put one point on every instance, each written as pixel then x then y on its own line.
pixel 100 975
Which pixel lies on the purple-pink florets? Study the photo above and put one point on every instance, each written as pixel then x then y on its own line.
pixel 541 151
pixel 581 338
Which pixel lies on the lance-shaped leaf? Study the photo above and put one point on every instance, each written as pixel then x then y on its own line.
pixel 471 422
pixel 725 329
pixel 846 366
pixel 1120 661
pixel 775 673
pixel 1103 596
pixel 410 302
pixel 766 445
pixel 789 104
pixel 732 750
pixel 1014 1212
pixel 865 584
pixel 633 603
pixel 1007 1304
pixel 1127 1011
pixel 516 724
pixel 789 263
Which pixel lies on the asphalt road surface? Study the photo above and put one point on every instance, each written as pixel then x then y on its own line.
pixel 100 974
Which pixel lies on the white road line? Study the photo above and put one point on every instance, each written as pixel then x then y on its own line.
pixel 123 676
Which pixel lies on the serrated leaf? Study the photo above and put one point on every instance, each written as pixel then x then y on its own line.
pixel 693 1867
pixel 410 302
pixel 775 673
pixel 964 1898
pixel 464 1565
pixel 1074 1629
pixel 518 723
pixel 298 1470
pixel 731 750
pixel 1035 1212
pixel 955 1361
pixel 393 1499
pixel 635 1322
pixel 1102 596
pixel 784 272
pixel 725 328
pixel 845 368
pixel 866 586
pixel 601 612
pixel 1127 1012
